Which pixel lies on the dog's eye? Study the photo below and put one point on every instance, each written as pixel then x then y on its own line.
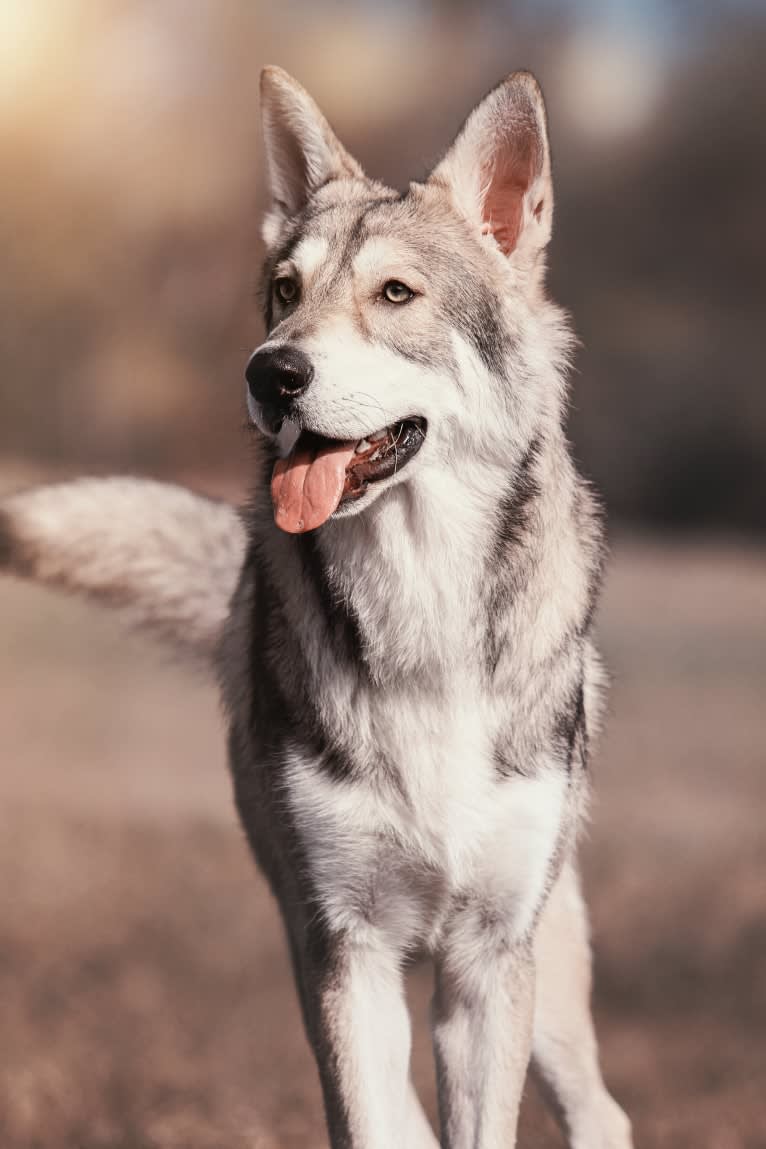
pixel 286 289
pixel 396 292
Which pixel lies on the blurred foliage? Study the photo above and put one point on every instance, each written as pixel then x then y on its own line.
pixel 129 239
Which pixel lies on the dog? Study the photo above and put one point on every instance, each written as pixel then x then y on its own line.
pixel 400 622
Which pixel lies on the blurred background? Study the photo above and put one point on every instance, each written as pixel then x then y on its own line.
pixel 145 1001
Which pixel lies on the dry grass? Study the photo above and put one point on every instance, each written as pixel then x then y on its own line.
pixel 145 997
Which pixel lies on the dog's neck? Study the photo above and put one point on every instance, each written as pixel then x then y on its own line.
pixel 419 570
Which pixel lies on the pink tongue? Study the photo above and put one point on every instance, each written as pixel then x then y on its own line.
pixel 306 487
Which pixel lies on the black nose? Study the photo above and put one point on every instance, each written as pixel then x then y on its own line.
pixel 277 376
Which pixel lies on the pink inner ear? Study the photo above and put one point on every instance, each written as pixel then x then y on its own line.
pixel 503 207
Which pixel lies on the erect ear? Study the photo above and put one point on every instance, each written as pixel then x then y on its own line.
pixel 302 151
pixel 499 170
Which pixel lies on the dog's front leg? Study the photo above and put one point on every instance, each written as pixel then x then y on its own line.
pixel 359 1028
pixel 483 1013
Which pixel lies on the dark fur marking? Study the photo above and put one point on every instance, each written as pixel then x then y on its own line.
pixel 270 714
pixel 339 615
pixel 507 766
pixel 278 713
pixel 283 706
pixel 474 312
pixel 514 514
pixel 315 210
pixel 569 729
pixel 356 235
pixel 516 504
pixel 284 701
pixel 325 962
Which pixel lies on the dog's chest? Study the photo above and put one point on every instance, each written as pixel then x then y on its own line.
pixel 393 848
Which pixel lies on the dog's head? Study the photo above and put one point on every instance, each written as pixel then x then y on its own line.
pixel 399 326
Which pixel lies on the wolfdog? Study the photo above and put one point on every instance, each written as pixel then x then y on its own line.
pixel 400 622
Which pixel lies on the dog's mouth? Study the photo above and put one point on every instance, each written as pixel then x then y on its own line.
pixel 321 473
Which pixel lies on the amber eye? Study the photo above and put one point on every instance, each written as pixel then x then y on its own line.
pixel 396 292
pixel 286 289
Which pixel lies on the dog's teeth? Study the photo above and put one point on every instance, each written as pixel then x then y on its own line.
pixel 363 445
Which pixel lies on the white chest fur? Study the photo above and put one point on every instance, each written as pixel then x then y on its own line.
pixel 392 853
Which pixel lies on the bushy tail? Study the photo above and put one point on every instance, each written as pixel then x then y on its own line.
pixel 166 558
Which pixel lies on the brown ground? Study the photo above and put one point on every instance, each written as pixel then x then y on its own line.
pixel 145 997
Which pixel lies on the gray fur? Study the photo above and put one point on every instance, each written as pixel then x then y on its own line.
pixel 412 688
